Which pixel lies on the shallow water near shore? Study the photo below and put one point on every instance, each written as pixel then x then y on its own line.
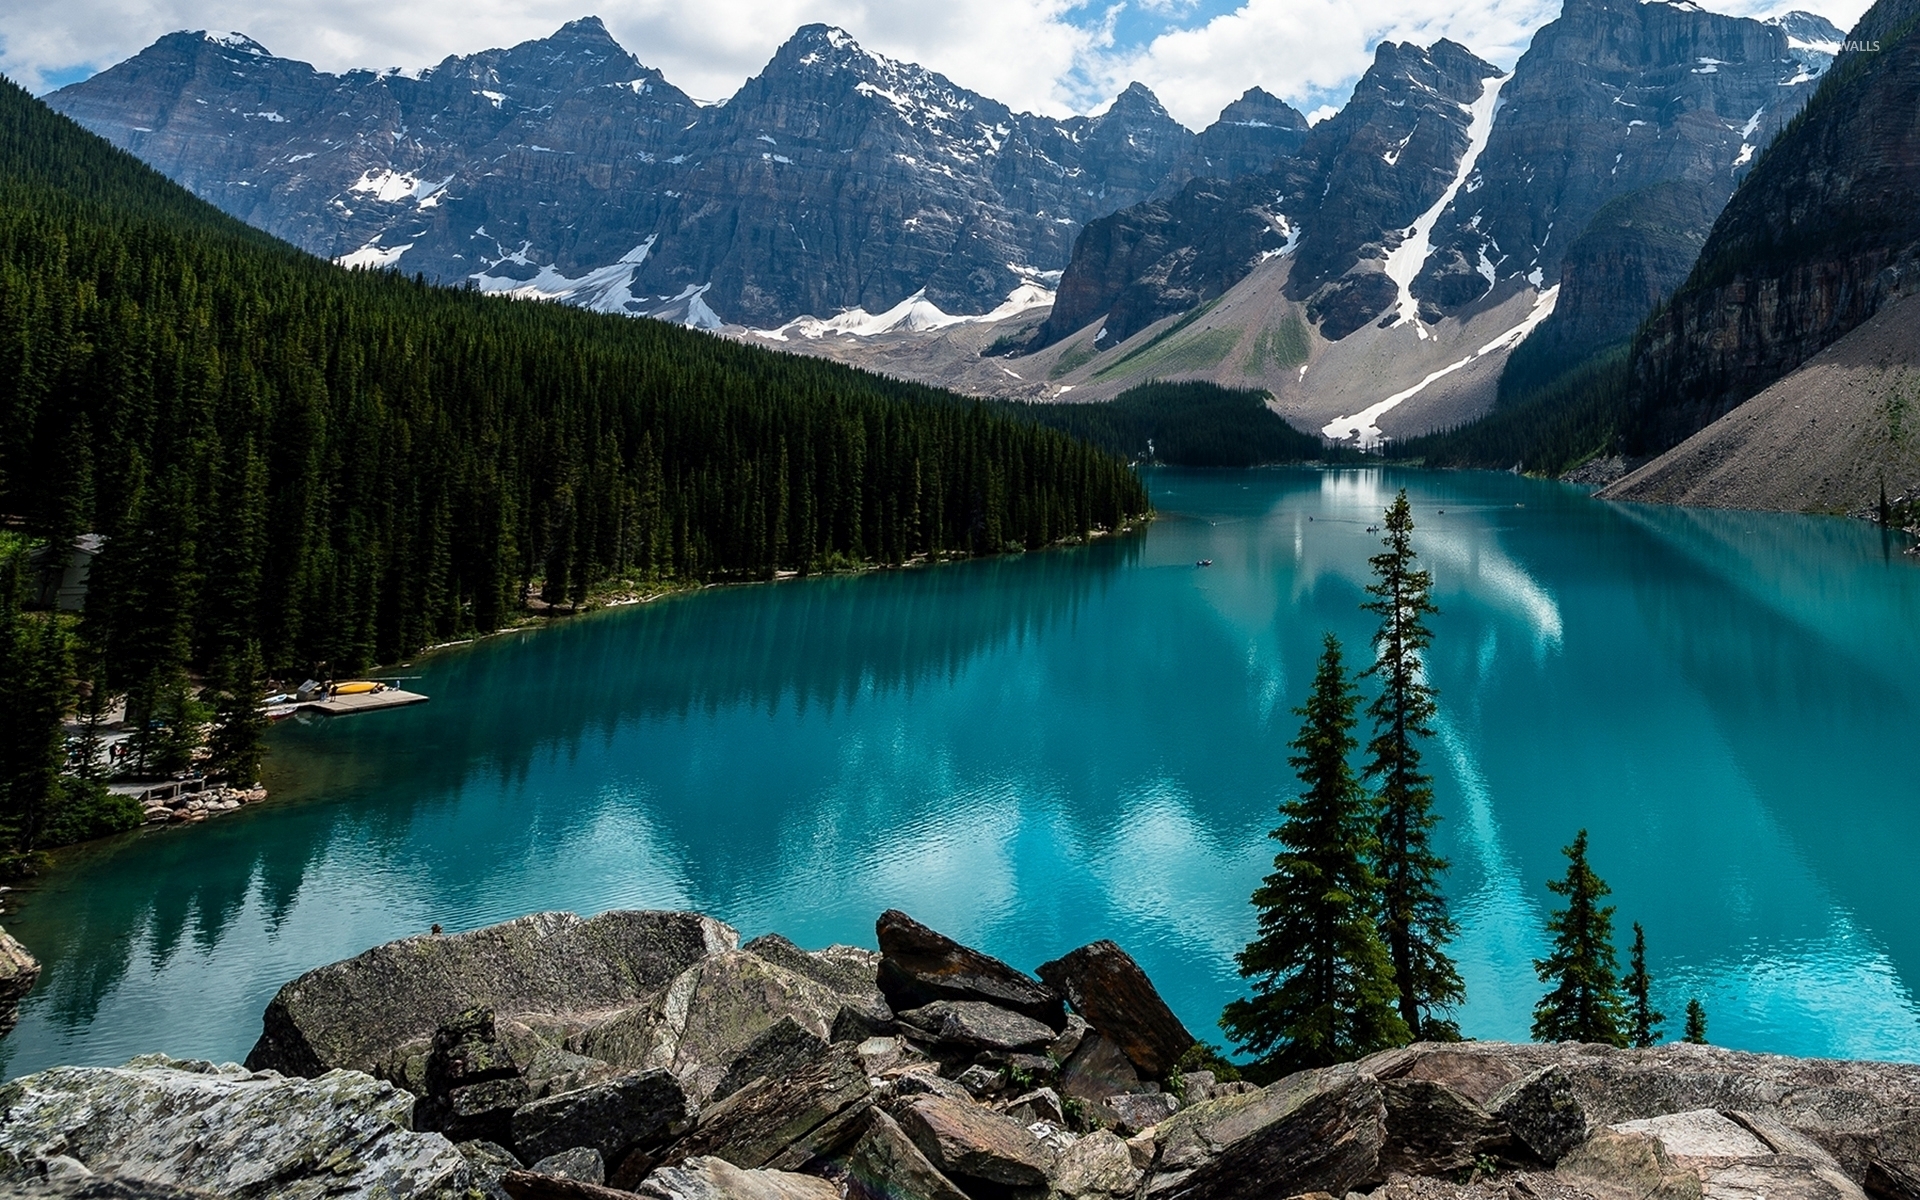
pixel 1034 752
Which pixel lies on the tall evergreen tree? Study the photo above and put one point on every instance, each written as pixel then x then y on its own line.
pixel 1413 909
pixel 1644 1020
pixel 239 728
pixel 1585 1004
pixel 1323 985
pixel 1696 1023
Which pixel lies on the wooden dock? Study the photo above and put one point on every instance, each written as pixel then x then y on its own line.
pixel 347 706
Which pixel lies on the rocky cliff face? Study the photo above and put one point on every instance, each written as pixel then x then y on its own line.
pixel 567 169
pixel 1612 99
pixel 1356 182
pixel 1821 236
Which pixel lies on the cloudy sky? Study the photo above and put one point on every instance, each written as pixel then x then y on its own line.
pixel 1052 56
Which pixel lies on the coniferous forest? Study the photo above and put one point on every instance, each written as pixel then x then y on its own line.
pixel 293 465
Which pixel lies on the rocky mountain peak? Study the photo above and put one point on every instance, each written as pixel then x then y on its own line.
pixel 1259 108
pixel 239 43
pixel 1137 103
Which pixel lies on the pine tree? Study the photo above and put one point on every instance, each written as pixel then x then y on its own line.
pixel 238 726
pixel 1696 1023
pixel 1644 1027
pixel 1323 984
pixel 1414 913
pixel 1585 1004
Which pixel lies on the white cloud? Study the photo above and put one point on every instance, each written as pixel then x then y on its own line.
pixel 1053 56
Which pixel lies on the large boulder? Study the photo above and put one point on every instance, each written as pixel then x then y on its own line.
pixel 615 1118
pixel 781 1049
pixel 709 1016
pixel 718 1179
pixel 1096 1167
pixel 850 972
pixel 360 1013
pixel 1097 1070
pixel 919 966
pixel 885 1165
pixel 1109 989
pixel 969 1143
pixel 972 1026
pixel 783 1123
pixel 1315 1131
pixel 227 1131
pixel 472 1082
pixel 18 971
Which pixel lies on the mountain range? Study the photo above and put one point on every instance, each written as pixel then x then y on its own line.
pixel 565 168
pixel 1372 271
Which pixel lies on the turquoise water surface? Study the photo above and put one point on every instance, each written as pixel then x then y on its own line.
pixel 1034 752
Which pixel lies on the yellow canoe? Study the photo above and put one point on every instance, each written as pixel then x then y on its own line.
pixel 357 687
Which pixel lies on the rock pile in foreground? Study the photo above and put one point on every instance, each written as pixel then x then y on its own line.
pixel 552 1058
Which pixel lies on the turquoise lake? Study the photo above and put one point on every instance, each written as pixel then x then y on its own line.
pixel 1034 752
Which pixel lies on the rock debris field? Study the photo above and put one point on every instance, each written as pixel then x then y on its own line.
pixel 650 1054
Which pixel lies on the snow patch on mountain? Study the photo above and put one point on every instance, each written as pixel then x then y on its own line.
pixel 1364 427
pixel 373 256
pixel 915 314
pixel 390 186
pixel 1410 256
pixel 607 289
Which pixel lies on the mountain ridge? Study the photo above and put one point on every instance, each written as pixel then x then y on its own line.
pixel 564 168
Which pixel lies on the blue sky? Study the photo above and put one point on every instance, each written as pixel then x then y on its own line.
pixel 1053 56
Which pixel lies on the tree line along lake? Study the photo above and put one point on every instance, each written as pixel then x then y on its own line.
pixel 1034 751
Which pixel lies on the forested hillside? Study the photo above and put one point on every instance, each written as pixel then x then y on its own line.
pixel 336 467
pixel 348 466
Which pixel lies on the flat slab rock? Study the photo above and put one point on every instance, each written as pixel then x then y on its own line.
pixel 1107 987
pixel 718 1179
pixel 226 1131
pixel 919 966
pixel 966 1141
pixel 354 1014
pixel 974 1024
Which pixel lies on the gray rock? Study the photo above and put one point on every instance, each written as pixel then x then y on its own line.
pixel 1098 1069
pixel 972 1025
pixel 1544 1114
pixel 1433 1130
pixel 783 1123
pixel 1136 1111
pixel 919 966
pixel 1315 1131
pixel 928 1082
pixel 781 1049
pixel 1096 1167
pixel 982 1080
pixel 885 1165
pixel 970 1143
pixel 472 1082
pixel 1062 1047
pixel 357 1013
pixel 708 1017
pixel 18 971
pixel 849 971
pixel 1107 987
pixel 531 1185
pixel 613 1118
pixel 1041 1104
pixel 718 1179
pixel 489 1161
pixel 582 1163
pixel 66 1179
pixel 877 1054
pixel 552 1070
pixel 234 1133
